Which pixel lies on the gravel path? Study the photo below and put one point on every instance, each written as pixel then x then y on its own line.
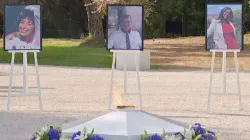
pixel 79 93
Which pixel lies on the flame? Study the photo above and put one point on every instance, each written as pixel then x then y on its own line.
pixel 117 97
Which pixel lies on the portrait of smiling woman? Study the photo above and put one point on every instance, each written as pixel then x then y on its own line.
pixel 224 26
pixel 25 34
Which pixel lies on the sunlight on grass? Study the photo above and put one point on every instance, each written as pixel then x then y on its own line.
pixel 88 38
pixel 73 52
pixel 63 52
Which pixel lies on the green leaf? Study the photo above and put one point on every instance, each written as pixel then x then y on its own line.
pixel 197 137
pixel 92 132
pixel 146 133
pixel 142 137
pixel 193 134
pixel 163 134
pixel 84 130
pixel 206 129
pixel 185 132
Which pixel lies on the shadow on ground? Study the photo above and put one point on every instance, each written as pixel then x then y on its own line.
pixel 178 55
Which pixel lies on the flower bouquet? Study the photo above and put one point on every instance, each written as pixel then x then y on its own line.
pixel 84 135
pixel 48 133
pixel 54 133
pixel 199 132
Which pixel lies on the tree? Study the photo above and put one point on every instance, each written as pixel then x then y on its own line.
pixel 94 12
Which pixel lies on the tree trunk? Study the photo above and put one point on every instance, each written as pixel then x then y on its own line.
pixel 94 22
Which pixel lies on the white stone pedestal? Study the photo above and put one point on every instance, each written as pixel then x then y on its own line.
pixel 128 58
pixel 125 124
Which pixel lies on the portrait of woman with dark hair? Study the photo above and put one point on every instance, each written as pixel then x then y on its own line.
pixel 27 34
pixel 222 31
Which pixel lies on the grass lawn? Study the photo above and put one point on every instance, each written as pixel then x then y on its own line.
pixel 65 53
pixel 166 53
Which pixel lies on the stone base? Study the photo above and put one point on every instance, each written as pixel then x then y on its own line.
pixel 126 124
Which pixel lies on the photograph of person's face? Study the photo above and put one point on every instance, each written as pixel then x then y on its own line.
pixel 126 23
pixel 124 27
pixel 224 26
pixel 22 28
pixel 26 27
pixel 226 14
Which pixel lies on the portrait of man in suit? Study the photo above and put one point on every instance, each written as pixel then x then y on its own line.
pixel 125 36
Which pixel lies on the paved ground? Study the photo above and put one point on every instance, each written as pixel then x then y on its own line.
pixel 74 93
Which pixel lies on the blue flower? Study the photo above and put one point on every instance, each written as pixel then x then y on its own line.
pixel 53 134
pixel 198 129
pixel 96 137
pixel 78 133
pixel 202 138
pixel 75 134
pixel 211 132
pixel 179 134
pixel 209 136
pixel 155 137
pixel 198 124
pixel 33 138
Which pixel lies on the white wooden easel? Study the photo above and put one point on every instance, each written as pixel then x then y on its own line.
pixel 25 87
pixel 224 75
pixel 136 56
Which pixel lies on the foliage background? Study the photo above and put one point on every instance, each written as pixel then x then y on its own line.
pixel 68 18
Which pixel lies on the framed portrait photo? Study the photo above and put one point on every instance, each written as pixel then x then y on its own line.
pixel 22 27
pixel 124 29
pixel 224 26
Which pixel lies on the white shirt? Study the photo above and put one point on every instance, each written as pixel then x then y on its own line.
pixel 20 45
pixel 215 28
pixel 117 40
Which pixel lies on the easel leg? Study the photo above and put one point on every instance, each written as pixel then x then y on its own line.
pixel 238 79
pixel 25 88
pixel 10 80
pixel 224 71
pixel 38 81
pixel 111 82
pixel 125 78
pixel 211 79
pixel 137 62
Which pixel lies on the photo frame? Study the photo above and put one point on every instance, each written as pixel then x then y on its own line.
pixel 224 26
pixel 22 27
pixel 124 27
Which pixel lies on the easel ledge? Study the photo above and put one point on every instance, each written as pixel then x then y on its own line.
pixel 221 50
pixel 23 51
pixel 125 51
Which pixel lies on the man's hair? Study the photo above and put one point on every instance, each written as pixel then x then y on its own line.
pixel 230 15
pixel 124 17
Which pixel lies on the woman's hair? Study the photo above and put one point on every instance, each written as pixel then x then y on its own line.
pixel 230 15
pixel 26 13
